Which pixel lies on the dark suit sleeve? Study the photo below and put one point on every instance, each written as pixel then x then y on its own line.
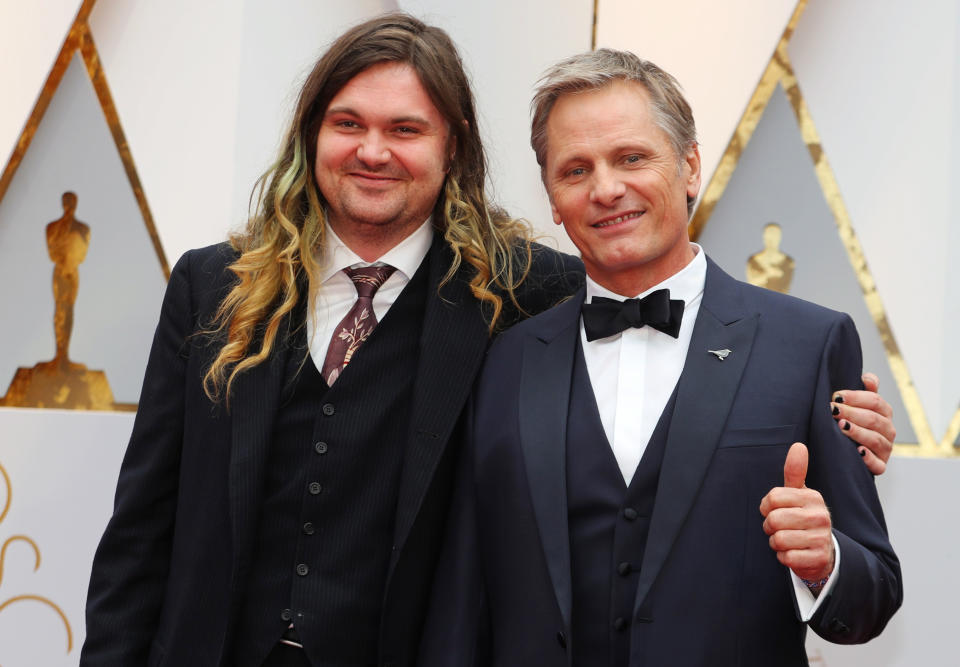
pixel 456 631
pixel 132 561
pixel 868 589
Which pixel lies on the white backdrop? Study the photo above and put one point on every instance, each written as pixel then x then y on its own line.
pixel 202 91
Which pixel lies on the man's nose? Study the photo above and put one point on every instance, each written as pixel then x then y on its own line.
pixel 606 187
pixel 373 150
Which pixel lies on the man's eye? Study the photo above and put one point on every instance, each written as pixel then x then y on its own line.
pixel 348 124
pixel 577 171
pixel 632 158
pixel 403 129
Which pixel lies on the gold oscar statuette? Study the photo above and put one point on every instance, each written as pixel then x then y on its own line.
pixel 771 268
pixel 61 383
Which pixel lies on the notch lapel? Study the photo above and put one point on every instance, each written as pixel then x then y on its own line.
pixel 705 396
pixel 452 348
pixel 544 403
pixel 253 411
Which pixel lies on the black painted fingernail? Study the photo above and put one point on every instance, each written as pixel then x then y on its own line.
pixel 863 452
pixel 835 410
pixel 846 426
pixel 838 399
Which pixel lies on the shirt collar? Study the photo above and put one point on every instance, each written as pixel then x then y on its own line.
pixel 686 284
pixel 405 257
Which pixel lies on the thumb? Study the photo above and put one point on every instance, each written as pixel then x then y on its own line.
pixel 795 467
pixel 870 382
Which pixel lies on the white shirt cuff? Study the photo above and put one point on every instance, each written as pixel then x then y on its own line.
pixel 807 604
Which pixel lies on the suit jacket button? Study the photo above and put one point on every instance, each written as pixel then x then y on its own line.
pixel 286 615
pixel 562 640
pixel 328 409
pixel 302 569
pixel 314 488
pixel 630 514
pixel 320 447
pixel 620 624
pixel 624 569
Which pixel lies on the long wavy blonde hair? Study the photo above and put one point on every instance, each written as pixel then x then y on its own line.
pixel 286 228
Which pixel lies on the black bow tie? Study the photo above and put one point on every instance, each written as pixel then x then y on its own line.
pixel 608 317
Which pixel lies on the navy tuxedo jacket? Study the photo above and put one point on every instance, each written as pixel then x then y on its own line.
pixel 168 575
pixel 711 592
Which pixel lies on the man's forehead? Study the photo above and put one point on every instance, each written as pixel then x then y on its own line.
pixel 569 99
pixel 592 108
pixel 391 71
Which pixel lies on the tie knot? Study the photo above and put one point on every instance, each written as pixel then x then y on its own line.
pixel 608 317
pixel 368 279
pixel 652 309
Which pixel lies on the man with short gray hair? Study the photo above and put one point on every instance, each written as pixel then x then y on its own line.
pixel 629 494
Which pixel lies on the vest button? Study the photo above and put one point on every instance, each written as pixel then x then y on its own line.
pixel 308 528
pixel 624 569
pixel 286 615
pixel 328 409
pixel 630 514
pixel 620 624
pixel 320 448
pixel 302 569
pixel 315 488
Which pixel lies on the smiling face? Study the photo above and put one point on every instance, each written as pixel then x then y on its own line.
pixel 383 150
pixel 615 185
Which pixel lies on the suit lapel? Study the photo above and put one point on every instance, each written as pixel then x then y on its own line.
pixel 452 348
pixel 705 395
pixel 253 411
pixel 544 403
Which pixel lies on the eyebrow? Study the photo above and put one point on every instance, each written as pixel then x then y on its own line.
pixel 349 111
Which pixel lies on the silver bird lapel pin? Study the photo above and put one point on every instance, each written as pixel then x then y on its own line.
pixel 721 354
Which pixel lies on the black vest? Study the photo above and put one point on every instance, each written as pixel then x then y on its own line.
pixel 325 528
pixel 608 527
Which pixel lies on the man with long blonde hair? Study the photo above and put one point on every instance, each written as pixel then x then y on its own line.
pixel 282 496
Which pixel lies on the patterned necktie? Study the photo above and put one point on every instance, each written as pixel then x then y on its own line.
pixel 608 317
pixel 358 324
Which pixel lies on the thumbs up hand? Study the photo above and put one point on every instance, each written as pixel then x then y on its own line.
pixel 798 522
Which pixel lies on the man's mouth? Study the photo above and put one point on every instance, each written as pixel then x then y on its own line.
pixel 373 177
pixel 617 220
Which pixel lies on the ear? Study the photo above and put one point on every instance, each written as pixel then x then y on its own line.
pixel 557 219
pixel 451 152
pixel 691 171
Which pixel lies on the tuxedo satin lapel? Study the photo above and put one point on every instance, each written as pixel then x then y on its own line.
pixel 253 410
pixel 452 348
pixel 705 396
pixel 544 403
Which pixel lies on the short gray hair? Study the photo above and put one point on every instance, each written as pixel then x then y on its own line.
pixel 596 69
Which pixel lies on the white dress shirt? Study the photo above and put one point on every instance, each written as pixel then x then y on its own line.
pixel 634 373
pixel 337 292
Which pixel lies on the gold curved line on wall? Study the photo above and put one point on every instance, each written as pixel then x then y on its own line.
pixel 9 488
pixel 19 538
pixel 49 603
pixel 36 566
